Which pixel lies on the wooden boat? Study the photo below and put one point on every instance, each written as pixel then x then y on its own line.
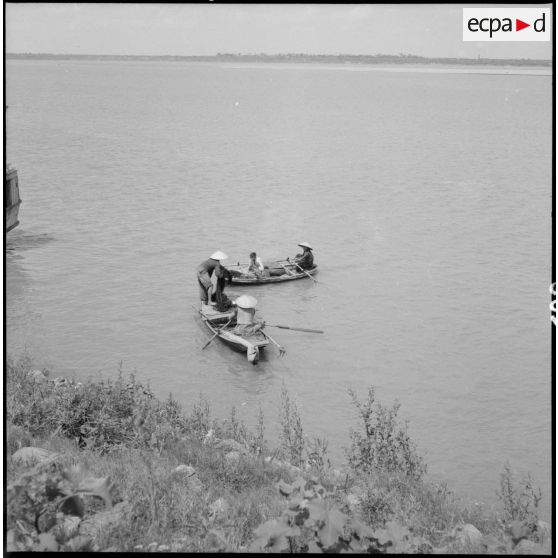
pixel 222 324
pixel 275 271
pixel 12 200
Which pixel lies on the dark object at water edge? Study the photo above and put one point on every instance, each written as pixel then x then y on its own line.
pixel 12 201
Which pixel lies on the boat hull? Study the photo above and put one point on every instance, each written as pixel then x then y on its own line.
pixel 11 216
pixel 12 200
pixel 216 323
pixel 275 272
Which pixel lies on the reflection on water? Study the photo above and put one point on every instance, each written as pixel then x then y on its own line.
pixel 18 240
pixel 21 314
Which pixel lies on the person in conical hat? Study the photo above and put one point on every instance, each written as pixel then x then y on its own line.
pixel 246 322
pixel 306 259
pixel 205 272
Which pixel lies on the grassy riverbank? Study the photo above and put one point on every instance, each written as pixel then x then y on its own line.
pixel 105 465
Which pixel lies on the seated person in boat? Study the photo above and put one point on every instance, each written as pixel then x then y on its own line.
pixel 205 271
pixel 247 324
pixel 306 259
pixel 256 266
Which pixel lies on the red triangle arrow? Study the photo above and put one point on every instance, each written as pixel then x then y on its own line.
pixel 519 25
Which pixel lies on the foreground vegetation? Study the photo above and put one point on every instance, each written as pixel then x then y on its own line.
pixel 106 466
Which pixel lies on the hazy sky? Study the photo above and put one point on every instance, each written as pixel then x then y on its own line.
pixel 206 29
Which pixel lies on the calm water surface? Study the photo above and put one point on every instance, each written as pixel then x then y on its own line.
pixel 427 196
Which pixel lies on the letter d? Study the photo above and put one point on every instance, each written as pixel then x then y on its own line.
pixel 537 21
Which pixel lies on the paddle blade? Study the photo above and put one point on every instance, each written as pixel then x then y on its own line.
pixel 298 328
pixel 208 342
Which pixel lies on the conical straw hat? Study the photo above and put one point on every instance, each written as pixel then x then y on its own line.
pixel 219 255
pixel 305 245
pixel 246 301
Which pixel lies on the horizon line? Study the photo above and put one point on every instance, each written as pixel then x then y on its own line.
pixel 278 54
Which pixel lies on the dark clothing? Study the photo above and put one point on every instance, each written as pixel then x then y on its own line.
pixel 207 267
pixel 305 260
pixel 205 271
pixel 222 302
pixel 223 276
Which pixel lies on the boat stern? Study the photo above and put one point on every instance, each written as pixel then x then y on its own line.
pixel 253 354
pixel 209 312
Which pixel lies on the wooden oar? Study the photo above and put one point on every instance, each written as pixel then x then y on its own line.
pixel 297 328
pixel 301 269
pixel 218 331
pixel 282 349
pixel 289 272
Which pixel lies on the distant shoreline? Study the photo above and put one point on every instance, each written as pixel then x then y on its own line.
pixel 364 59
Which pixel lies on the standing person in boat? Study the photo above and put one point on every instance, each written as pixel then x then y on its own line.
pixel 247 324
pixel 306 259
pixel 205 271
pixel 255 266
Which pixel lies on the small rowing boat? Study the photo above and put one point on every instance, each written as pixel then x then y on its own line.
pixel 275 271
pixel 224 326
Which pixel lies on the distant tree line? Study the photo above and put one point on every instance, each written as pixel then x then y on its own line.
pixel 292 57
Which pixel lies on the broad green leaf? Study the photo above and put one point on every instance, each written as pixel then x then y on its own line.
pixel 296 503
pixel 264 533
pixel 216 540
pixel 47 542
pixel 279 544
pixel 397 548
pixel 72 505
pixel 400 538
pixel 518 530
pixel 80 543
pixel 333 527
pixel 293 532
pixel 382 536
pixel 78 479
pixel 284 488
pixel 273 535
pixel 268 528
pixel 340 547
pixel 493 545
pixel 361 530
pixel 313 548
pixel 317 510
pixel 101 487
pixel 258 544
pixel 75 474
pixel 397 531
pixel 296 517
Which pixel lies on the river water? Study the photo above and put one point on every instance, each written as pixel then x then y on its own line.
pixel 426 195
